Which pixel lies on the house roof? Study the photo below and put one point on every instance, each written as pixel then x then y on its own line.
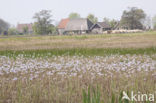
pixel 63 23
pixel 118 25
pixel 79 24
pixel 20 27
pixel 102 25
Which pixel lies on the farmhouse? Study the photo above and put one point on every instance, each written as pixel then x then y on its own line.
pixel 25 28
pixel 62 25
pixel 79 26
pixel 75 26
pixel 100 27
pixel 82 26
pixel 118 26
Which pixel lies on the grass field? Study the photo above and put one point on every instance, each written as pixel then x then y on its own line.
pixel 77 69
pixel 136 40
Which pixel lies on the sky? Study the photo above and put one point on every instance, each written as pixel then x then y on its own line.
pixel 22 11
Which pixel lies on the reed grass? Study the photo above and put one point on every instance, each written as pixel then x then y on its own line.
pixel 70 89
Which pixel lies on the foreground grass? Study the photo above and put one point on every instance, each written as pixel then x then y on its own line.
pixel 70 84
pixel 70 89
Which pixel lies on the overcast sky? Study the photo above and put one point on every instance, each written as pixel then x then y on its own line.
pixel 22 11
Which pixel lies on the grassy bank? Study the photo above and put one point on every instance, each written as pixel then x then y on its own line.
pixel 133 40
pixel 79 51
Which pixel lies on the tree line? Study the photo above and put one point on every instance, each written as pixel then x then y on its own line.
pixel 132 18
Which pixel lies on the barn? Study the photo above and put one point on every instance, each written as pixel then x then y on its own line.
pixel 100 27
pixel 79 26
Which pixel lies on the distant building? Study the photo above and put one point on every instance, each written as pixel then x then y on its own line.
pixel 75 26
pixel 62 25
pixel 25 28
pixel 100 27
pixel 79 26
pixel 82 26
